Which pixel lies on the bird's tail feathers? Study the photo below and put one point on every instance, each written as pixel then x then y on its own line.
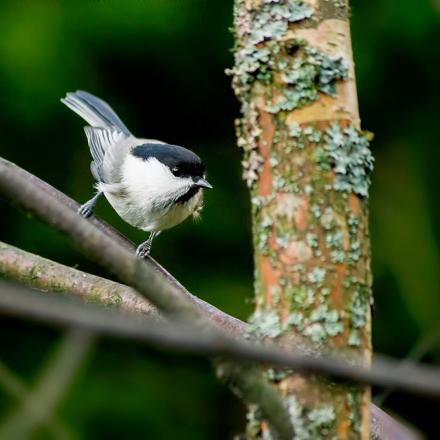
pixel 94 111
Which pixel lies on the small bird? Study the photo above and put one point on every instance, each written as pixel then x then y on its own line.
pixel 152 185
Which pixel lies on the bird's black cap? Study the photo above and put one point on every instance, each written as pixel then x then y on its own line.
pixel 184 162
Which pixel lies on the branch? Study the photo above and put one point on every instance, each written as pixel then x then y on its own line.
pixel 381 423
pixel 19 301
pixel 97 246
pixel 44 274
pixel 383 426
pixel 228 323
pixel 19 391
pixel 55 379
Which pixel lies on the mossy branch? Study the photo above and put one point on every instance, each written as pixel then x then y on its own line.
pixel 18 389
pixel 37 407
pixel 47 275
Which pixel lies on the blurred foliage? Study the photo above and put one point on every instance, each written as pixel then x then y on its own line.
pixel 161 66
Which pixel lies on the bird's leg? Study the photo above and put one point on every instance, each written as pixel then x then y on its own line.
pixel 86 209
pixel 144 248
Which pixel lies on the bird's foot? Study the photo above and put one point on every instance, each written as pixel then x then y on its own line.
pixel 143 249
pixel 86 210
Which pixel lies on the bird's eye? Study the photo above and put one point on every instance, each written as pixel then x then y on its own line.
pixel 176 171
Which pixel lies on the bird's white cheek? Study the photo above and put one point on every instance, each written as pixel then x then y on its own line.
pixel 151 179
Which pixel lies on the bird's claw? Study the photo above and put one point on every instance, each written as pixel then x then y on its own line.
pixel 85 210
pixel 143 250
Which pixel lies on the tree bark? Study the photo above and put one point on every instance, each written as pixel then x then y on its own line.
pixel 307 166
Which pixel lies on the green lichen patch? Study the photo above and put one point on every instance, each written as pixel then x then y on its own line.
pixel 358 307
pixel 358 310
pixel 313 135
pixel 351 158
pixel 312 240
pixel 299 297
pixel 264 324
pixel 295 130
pixel 321 323
pixel 248 136
pixel 311 423
pixel 272 19
pixel 317 275
pixel 262 235
pixel 259 32
pixel 275 375
pixel 340 3
pixel 262 53
pixel 254 419
pixel 328 218
pixel 110 299
pixel 303 76
pixel 318 324
pixel 355 417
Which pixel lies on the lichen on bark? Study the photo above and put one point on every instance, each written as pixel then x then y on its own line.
pixel 307 165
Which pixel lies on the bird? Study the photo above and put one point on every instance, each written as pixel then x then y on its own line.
pixel 152 185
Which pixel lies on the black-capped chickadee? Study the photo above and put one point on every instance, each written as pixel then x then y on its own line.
pixel 152 185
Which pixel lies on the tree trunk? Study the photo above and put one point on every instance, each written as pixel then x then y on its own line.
pixel 307 166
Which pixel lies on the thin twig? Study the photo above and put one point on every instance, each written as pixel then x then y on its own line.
pixel 416 354
pixel 55 379
pixel 19 391
pixel 18 300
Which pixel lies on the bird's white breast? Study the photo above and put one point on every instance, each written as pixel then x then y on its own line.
pixel 144 196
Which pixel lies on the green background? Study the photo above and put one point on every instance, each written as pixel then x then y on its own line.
pixel 160 63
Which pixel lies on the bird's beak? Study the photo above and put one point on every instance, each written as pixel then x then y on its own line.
pixel 200 181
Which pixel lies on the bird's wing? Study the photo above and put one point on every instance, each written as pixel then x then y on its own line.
pixel 108 148
pixel 108 137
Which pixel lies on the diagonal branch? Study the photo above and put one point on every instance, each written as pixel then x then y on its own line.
pixel 382 423
pixel 227 322
pixel 19 391
pixel 54 382
pixel 44 274
pixel 97 246
pixel 47 275
pixel 383 426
